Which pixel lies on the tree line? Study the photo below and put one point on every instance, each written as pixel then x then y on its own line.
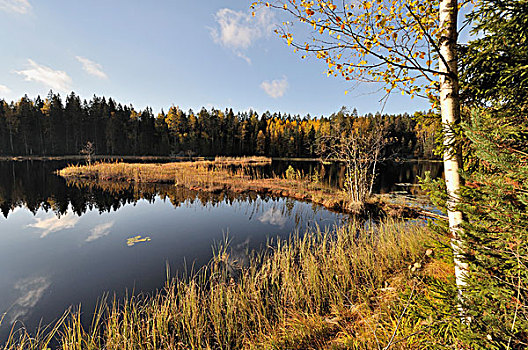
pixel 41 127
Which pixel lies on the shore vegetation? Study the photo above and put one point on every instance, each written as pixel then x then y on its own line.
pixel 238 175
pixel 351 287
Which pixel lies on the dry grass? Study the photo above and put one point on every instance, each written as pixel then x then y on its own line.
pixel 341 289
pixel 243 160
pixel 237 175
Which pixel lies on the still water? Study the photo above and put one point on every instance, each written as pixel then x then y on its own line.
pixel 63 245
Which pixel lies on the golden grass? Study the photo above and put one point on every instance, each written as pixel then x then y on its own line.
pixel 237 175
pixel 341 289
pixel 243 160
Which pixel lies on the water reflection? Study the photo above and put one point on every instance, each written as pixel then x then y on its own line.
pixel 30 291
pixel 99 231
pixel 53 223
pixel 64 244
pixel 273 216
pixel 33 185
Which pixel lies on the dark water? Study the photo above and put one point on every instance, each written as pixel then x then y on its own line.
pixel 63 245
pixel 391 177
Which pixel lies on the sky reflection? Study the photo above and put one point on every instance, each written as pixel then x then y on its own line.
pixel 273 216
pixel 99 231
pixel 30 291
pixel 54 223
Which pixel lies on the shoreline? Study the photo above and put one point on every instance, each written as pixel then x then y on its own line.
pixel 180 158
pixel 215 177
pixel 94 158
pixel 337 287
pixel 285 297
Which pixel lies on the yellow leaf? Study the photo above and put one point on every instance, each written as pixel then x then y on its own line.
pixel 137 239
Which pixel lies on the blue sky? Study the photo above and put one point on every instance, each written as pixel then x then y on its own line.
pixel 208 53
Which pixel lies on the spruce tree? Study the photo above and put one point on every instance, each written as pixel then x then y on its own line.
pixel 495 198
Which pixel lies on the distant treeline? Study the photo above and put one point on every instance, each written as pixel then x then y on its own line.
pixel 51 126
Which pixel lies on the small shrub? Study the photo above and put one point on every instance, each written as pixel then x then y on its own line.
pixel 290 173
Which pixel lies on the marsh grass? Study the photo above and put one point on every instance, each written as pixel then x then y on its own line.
pixel 237 175
pixel 339 289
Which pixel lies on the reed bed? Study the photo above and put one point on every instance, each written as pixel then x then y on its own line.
pixel 351 287
pixel 158 172
pixel 239 175
pixel 243 160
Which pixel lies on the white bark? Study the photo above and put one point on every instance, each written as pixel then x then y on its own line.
pixel 450 110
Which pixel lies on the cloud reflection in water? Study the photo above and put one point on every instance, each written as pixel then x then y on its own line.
pixel 55 223
pixel 273 216
pixel 99 231
pixel 30 291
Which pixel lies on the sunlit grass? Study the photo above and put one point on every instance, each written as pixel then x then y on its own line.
pixel 237 175
pixel 349 287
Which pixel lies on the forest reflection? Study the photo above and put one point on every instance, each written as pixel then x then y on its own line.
pixel 34 185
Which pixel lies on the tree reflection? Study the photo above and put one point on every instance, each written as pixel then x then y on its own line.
pixel 35 186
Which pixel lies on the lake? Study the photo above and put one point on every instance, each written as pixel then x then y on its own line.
pixel 64 245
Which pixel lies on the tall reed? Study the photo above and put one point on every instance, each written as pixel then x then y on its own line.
pixel 341 288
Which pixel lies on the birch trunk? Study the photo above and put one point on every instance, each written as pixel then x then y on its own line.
pixel 450 110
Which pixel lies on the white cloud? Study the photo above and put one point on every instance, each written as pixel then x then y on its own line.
pixel 92 67
pixel 55 223
pixel 273 216
pixel 99 231
pixel 275 88
pixel 4 89
pixel 238 30
pixel 17 6
pixel 55 79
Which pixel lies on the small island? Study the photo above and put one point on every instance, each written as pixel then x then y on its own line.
pixel 225 174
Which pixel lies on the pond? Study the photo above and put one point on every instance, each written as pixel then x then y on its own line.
pixel 64 245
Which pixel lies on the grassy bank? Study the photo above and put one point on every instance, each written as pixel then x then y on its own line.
pixel 352 287
pixel 236 175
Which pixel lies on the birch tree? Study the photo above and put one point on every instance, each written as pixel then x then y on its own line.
pixel 360 147
pixel 408 46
